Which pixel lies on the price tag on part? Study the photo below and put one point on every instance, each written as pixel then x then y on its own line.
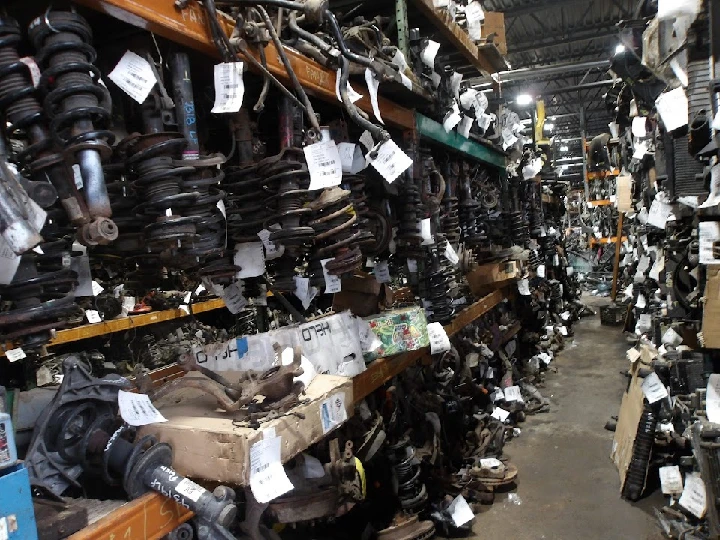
pixel 439 341
pixel 353 96
pixel 96 288
pixel 373 84
pixel 137 409
pixel 429 53
pixel 333 284
pixel 268 479
pixel 450 254
pixel 512 393
pixel 390 161
pixel 234 299
pixel 382 272
pixel 351 158
pixel 134 76
pixel 191 490
pixel 474 12
pixel 77 176
pixel 653 388
pixel 693 497
pixel 671 480
pixel 524 287
pixel 460 511
pixel 366 140
pixel 500 414
pixel 92 316
pixel 13 355
pixel 250 258
pixel 324 164
pixel 229 87
pixel 272 250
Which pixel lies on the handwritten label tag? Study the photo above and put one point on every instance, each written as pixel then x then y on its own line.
pixel 500 414
pixel 429 53
pixel 460 511
pixel 191 490
pixel 693 498
pixel 512 393
pixel 250 258
pixel 324 166
pixel 229 87
pixel 653 388
pixel 333 284
pixel 134 76
pixel 137 409
pixel 373 84
pixel 92 316
pixel 13 355
pixel 351 158
pixel 671 480
pixel 234 299
pixel 272 250
pixel 439 341
pixel 390 161
pixel 96 288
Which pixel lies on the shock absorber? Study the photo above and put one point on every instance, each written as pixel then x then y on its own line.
pixel 355 183
pixel 408 235
pixel 411 490
pixel 40 295
pixel 438 282
pixel 450 219
pixel 642 449
pixel 78 108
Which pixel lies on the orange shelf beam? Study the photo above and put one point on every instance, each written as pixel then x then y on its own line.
pixel 188 27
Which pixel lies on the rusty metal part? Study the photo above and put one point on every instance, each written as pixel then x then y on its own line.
pixel 299 508
pixel 407 528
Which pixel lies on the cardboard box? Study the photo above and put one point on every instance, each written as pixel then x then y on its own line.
pixel 487 276
pixel 631 409
pixel 206 444
pixel 711 309
pixel 399 331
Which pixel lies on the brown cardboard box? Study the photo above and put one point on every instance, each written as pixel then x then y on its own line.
pixel 631 409
pixel 494 23
pixel 206 444
pixel 711 309
pixel 486 276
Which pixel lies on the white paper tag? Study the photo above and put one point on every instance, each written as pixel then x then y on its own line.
pixel 439 340
pixel 92 316
pixel 671 337
pixel 9 262
pixel 353 96
pixel 332 411
pixel 324 166
pixel 137 409
pixel 638 126
pixel 43 376
pixel 671 480
pixel 452 119
pixel 541 271
pixel 693 495
pixel 134 76
pixel 351 158
pixel 234 299
pixel 373 84
pixel 512 393
pixel 272 250
pixel 77 176
pixel 366 140
pixel 96 288
pixel 460 511
pixel 563 330
pixel 451 255
pixel 312 468
pixel 524 287
pixel 333 284
pixel 382 272
pixel 500 414
pixel 465 126
pixel 653 388
pixel 229 87
pixel 268 479
pixel 633 355
pixel 708 232
pixel 406 82
pixel 250 258
pixel 13 355
pixel 390 161
pixel 191 490
pixel 712 398
pixel 425 234
pixel 4 534
pixel 429 53
pixel 673 108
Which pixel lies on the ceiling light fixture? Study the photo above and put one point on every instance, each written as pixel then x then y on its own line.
pixel 620 49
pixel 523 99
pixel 564 148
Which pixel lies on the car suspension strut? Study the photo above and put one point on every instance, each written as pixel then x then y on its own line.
pixel 78 108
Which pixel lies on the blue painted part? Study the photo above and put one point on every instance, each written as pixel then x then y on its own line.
pixel 17 517
pixel 242 346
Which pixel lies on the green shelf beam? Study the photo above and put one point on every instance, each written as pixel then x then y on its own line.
pixel 432 130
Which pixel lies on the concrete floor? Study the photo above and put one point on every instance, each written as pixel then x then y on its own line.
pixel 568 488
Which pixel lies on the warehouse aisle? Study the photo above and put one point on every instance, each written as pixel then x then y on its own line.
pixel 568 488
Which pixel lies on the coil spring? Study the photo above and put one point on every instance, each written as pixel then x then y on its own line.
pixel 40 295
pixel 438 282
pixel 245 203
pixel 158 181
pixel 22 110
pixel 286 176
pixel 355 183
pixel 76 102
pixel 411 490
pixel 336 231
pixel 642 448
pixel 519 231
pixel 533 260
pixel 408 235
